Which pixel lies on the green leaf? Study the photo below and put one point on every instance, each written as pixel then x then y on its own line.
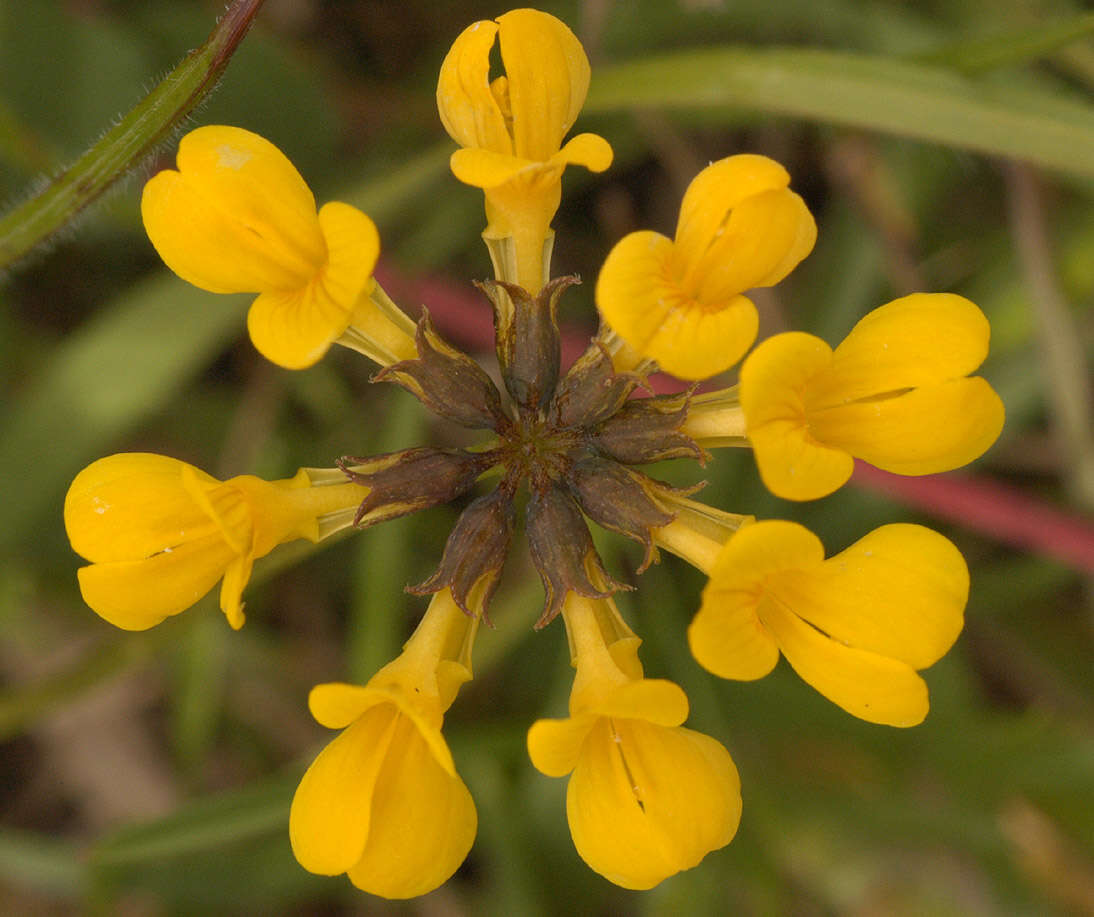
pixel 858 90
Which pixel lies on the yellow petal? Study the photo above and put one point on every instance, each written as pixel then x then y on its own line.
pixel 763 548
pixel 422 827
pixel 872 687
pixel 336 704
pixel 486 168
pixel 793 463
pixel 589 150
pixel 899 592
pixel 133 505
pixel 644 304
pixel 653 700
pixel 916 340
pixel 548 75
pixel 726 636
pixel 554 746
pixel 468 109
pixel 138 594
pixel 760 242
pixel 295 328
pixel 717 190
pixel 930 429
pixel 236 577
pixel 331 813
pixel 235 217
pixel 646 801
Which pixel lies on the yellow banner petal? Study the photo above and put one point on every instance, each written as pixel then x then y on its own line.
pixel 235 217
pixel 132 505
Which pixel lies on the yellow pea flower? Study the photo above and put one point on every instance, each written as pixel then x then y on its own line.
pixel 236 217
pixel 647 798
pixel 856 627
pixel 383 802
pixel 680 301
pixel 511 131
pixel 895 393
pixel 160 533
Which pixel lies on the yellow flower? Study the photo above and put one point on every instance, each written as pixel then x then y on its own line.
pixel 237 218
pixel 511 130
pixel 647 797
pixel 679 301
pixel 383 802
pixel 894 393
pixel 856 627
pixel 160 533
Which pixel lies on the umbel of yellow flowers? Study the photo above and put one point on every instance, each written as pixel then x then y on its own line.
pixel 647 797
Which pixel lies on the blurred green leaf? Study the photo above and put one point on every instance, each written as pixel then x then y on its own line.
pixel 259 809
pixel 858 90
pixel 38 862
pixel 1011 47
pixel 114 371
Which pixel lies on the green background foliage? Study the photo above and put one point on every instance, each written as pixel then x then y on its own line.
pixel 946 145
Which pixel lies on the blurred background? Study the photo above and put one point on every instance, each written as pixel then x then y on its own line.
pixel 150 774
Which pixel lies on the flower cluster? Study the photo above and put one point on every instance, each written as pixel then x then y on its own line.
pixel 647 797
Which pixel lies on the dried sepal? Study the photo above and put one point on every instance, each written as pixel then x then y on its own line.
pixel 648 430
pixel 413 479
pixel 562 551
pixel 475 551
pixel 618 499
pixel 447 381
pixel 528 343
pixel 591 390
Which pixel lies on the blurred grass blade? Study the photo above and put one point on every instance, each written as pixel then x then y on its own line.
pixel 858 90
pixel 43 863
pixel 1007 49
pixel 203 825
pixel 112 372
pixel 129 141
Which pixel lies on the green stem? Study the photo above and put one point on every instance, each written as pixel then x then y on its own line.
pixel 127 143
